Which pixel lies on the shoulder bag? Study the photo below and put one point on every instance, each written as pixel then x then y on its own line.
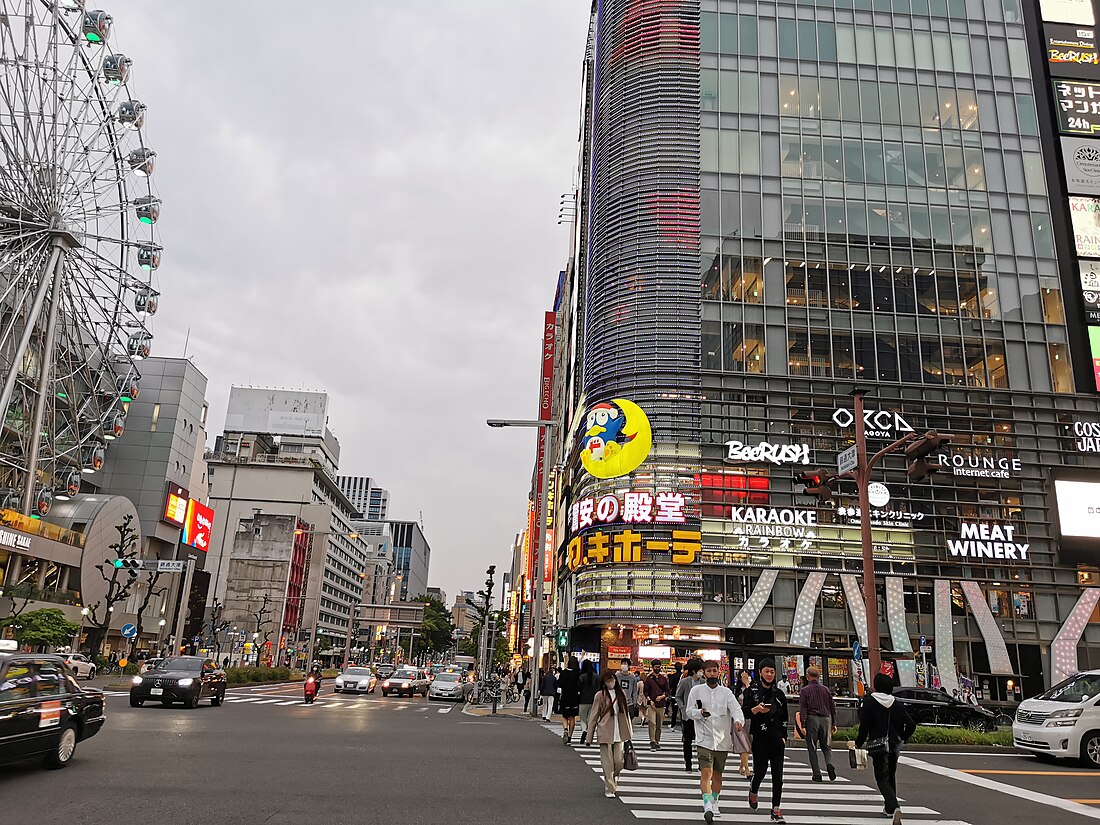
pixel 630 756
pixel 881 745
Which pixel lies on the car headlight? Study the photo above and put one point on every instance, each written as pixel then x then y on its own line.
pixel 404 684
pixel 185 682
pixel 1064 718
pixel 137 680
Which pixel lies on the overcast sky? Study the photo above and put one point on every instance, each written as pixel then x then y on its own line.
pixel 362 198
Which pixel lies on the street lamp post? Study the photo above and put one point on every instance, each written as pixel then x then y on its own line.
pixel 547 428
pixel 80 633
pixel 160 634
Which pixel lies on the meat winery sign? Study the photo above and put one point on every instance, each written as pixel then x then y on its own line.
pixel 982 540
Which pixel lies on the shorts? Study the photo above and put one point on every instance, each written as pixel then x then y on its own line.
pixel 570 711
pixel 715 760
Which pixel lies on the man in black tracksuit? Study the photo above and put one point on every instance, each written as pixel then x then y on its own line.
pixel 766 706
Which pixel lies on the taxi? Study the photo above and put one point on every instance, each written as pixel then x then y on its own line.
pixel 44 712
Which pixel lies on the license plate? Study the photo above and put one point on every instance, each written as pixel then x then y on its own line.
pixel 1026 737
pixel 156 691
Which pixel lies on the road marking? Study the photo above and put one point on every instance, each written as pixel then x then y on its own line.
pixel 1000 787
pixel 446 710
pixel 753 819
pixel 242 698
pixel 1087 801
pixel 1030 773
pixel 815 805
pixel 292 702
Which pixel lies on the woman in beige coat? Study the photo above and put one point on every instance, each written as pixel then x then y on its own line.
pixel 610 719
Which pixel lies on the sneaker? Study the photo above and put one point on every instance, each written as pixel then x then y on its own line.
pixel 609 794
pixel 717 811
pixel 753 801
pixel 658 746
pixel 816 778
pixel 897 817
pixel 708 810
pixel 832 773
pixel 777 816
pixel 653 746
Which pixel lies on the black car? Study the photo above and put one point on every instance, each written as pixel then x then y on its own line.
pixel 44 712
pixel 934 707
pixel 187 679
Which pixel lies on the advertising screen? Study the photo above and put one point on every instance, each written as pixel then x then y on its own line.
pixel 1067 11
pixel 1094 349
pixel 1081 159
pixel 1077 514
pixel 1078 107
pixel 1071 51
pixel 197 526
pixel 175 505
pixel 1085 216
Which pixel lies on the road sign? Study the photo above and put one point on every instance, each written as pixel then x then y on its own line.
pixel 926 648
pixel 847 460
pixel 170 566
pixel 129 631
pixel 923 640
pixel 857 651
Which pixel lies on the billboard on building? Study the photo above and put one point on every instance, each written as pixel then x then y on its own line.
pixel 1071 51
pixel 175 505
pixel 1081 159
pixel 1079 12
pixel 1085 217
pixel 1076 514
pixel 1078 106
pixel 197 526
pixel 278 412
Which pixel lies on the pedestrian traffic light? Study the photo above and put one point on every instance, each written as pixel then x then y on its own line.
pixel 816 483
pixel 563 639
pixel 131 566
pixel 917 454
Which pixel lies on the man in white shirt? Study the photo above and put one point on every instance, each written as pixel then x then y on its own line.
pixel 715 711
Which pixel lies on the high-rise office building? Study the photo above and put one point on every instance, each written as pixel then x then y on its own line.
pixel 370 500
pixel 781 202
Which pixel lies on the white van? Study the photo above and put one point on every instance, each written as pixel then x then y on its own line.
pixel 1063 722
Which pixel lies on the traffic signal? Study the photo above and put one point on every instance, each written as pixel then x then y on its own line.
pixel 920 466
pixel 129 565
pixel 816 483
pixel 563 639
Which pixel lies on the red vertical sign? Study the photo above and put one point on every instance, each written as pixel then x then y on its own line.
pixel 546 410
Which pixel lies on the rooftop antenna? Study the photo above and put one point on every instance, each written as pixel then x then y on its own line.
pixel 422 521
pixel 186 341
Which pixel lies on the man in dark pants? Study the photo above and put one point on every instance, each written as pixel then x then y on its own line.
pixel 817 714
pixel 673 683
pixel 693 675
pixel 766 705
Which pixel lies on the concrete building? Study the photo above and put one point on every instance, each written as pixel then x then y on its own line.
pixel 437 593
pixel 411 553
pixel 280 458
pixel 780 203
pixel 371 501
pixel 462 617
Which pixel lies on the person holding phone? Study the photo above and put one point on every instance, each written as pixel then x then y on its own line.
pixel 715 712
pixel 766 706
pixel 693 675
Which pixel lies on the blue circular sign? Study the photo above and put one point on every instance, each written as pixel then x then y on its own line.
pixel 129 631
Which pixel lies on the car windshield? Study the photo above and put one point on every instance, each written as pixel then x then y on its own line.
pixel 357 671
pixel 404 674
pixel 1075 689
pixel 179 663
pixel 447 677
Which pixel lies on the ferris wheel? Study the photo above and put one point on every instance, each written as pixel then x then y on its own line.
pixel 78 247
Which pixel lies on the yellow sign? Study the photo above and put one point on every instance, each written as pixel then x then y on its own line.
pixel 616 440
pixel 626 547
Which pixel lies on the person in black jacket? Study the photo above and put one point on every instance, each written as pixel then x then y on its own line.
pixel 570 699
pixel 673 683
pixel 766 706
pixel 588 683
pixel 881 716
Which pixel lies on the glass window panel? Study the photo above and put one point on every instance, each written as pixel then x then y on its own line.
pixel 919 223
pixel 750 35
pixel 960 53
pixel 955 168
pixel 873 163
pixel 744 347
pixel 868 95
pixel 750 93
pixel 1059 368
pixel 849 100
pixel 807 96
pixel 708 32
pixel 835 226
pixel 788 95
pixel 826 42
pixel 1017 57
pixel 729 92
pixel 731 214
pixel 975 169
pixel 708 90
pixel 922 45
pixel 1034 176
pixel 884 46
pixel 903 48
pixel 728 31
pixel 931 361
pixel 949 109
pixel 712 345
pixel 968 109
pixel 857 226
pixel 894 155
pixel 914 164
pixel 708 155
pixel 909 359
pixel 937 173
pixel 829 98
pixel 929 107
pixel 845 43
pixel 709 212
pixel 729 152
pixel 865 44
pixel 832 158
pixel 807 39
pixel 798 350
pixel 998 51
pixel 887 353
pixel 888 99
pixel 853 160
pixel 750 153
pixel 1044 241
pixel 788 39
pixel 1025 110
pixel 1022 233
pixel 1053 310
pixel 910 105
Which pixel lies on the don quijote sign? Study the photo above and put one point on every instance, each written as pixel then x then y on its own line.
pixel 738 452
pixel 877 423
pixel 983 540
pixel 980 466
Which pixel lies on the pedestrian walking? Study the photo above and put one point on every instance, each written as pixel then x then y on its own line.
pixel 743 742
pixel 817 715
pixel 570 699
pixel 610 719
pixel 656 692
pixel 629 682
pixel 693 675
pixel 884 726
pixel 548 691
pixel 714 709
pixel 673 709
pixel 587 685
pixel 523 684
pixel 766 706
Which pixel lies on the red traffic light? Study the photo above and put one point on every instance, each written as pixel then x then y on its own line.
pixel 816 483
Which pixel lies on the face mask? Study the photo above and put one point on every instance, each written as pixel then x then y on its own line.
pixel 712 681
pixel 624 668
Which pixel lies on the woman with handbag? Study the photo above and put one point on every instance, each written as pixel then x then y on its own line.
pixel 610 718
pixel 884 726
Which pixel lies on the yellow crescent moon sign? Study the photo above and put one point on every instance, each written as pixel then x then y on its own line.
pixel 631 453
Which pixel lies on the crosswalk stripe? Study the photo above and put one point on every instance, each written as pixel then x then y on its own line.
pixel 738 791
pixel 294 702
pixel 242 698
pixel 738 805
pixel 793 819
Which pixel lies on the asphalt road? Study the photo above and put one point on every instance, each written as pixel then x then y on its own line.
pixel 264 757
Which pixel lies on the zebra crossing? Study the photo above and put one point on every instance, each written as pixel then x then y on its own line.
pixel 329 704
pixel 661 790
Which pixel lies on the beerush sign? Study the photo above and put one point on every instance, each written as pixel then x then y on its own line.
pixel 742 453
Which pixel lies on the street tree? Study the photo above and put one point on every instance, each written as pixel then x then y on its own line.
pixel 21 595
pixel 120 583
pixel 42 628
pixel 263 621
pixel 150 593
pixel 502 651
pixel 217 626
pixel 437 632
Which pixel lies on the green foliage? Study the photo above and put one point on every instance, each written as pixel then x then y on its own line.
pixel 930 735
pixel 41 628
pixel 437 633
pixel 247 675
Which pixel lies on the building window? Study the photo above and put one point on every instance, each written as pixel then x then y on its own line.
pixel 1059 368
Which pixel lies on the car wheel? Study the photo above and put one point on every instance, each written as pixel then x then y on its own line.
pixel 1090 749
pixel 66 747
pixel 91 674
pixel 135 702
pixel 976 725
pixel 193 701
pixel 216 701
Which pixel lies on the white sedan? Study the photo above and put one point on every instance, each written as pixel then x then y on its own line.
pixel 82 666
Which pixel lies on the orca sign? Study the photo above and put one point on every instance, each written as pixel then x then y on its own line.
pixel 877 423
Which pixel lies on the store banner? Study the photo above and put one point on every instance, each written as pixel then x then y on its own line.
pixel 1078 107
pixel 1071 51
pixel 1079 12
pixel 1081 160
pixel 1085 217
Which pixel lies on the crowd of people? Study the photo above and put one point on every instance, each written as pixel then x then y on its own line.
pixel 750 718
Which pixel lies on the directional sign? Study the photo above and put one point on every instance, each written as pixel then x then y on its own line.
pixel 923 640
pixel 926 648
pixel 847 460
pixel 170 566
pixel 129 631
pixel 857 651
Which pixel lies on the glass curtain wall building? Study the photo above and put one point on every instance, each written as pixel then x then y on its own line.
pixel 781 202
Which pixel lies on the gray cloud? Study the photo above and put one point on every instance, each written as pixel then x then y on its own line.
pixel 363 199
